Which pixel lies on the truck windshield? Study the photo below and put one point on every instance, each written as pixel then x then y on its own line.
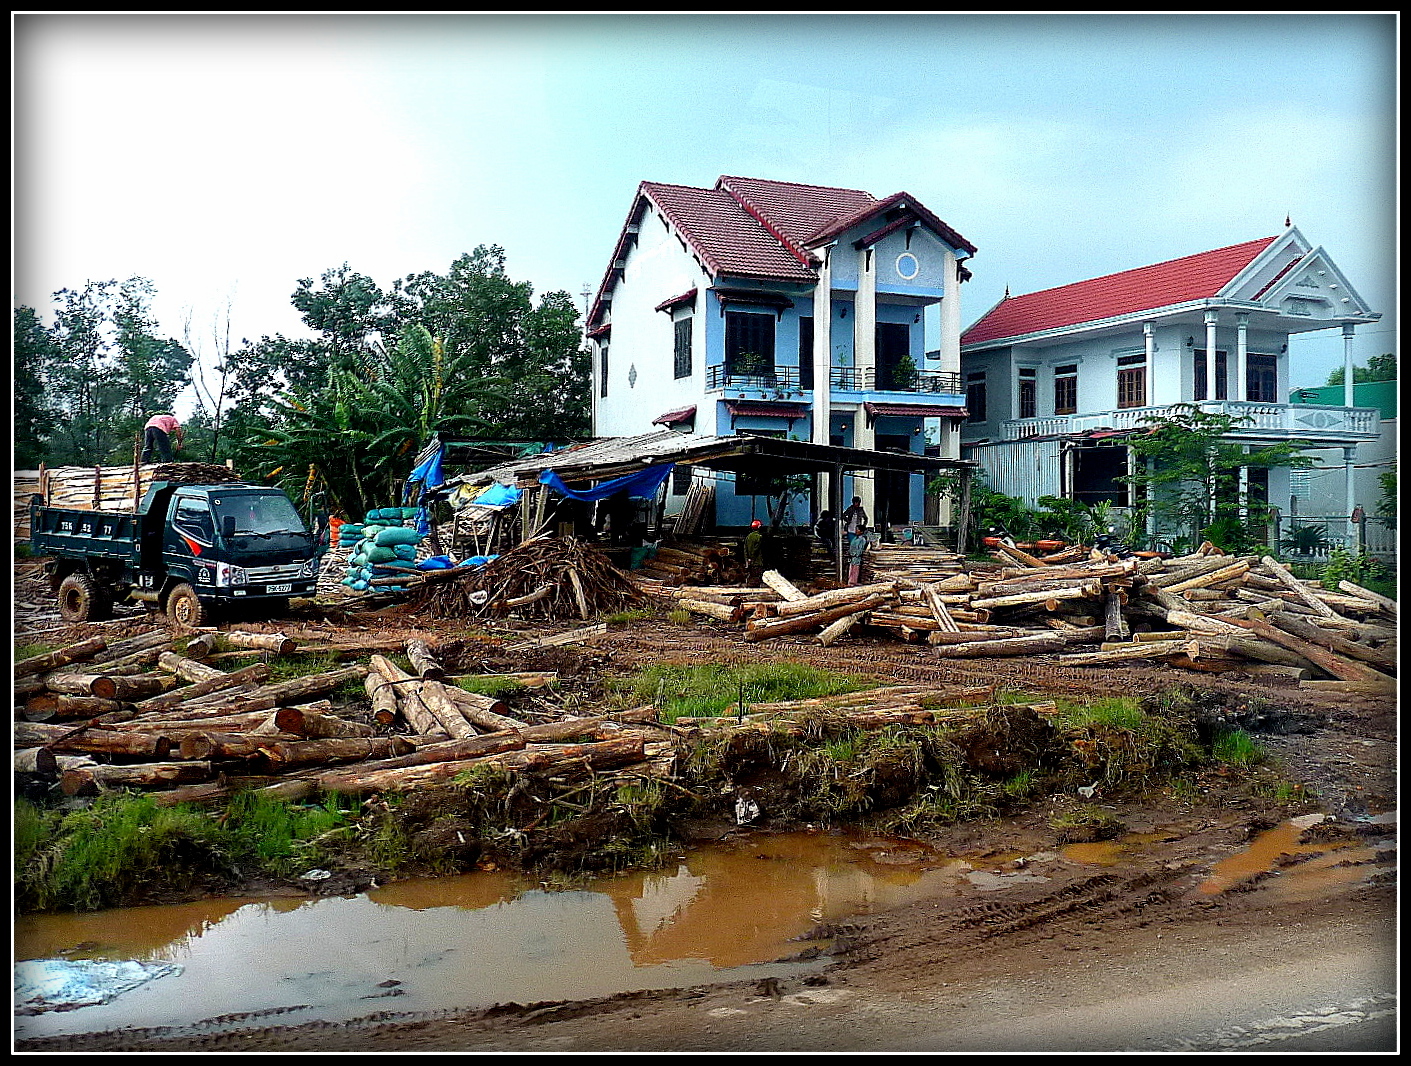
pixel 261 520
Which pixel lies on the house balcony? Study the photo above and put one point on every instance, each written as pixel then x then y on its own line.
pixel 1312 424
pixel 841 379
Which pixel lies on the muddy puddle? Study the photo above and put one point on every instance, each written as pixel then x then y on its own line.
pixel 733 911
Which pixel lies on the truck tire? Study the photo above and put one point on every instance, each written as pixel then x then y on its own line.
pixel 184 608
pixel 81 599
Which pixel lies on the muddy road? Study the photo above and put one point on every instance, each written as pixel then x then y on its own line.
pixel 1226 929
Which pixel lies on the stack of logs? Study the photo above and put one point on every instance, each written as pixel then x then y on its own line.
pixel 96 717
pixel 685 562
pixel 1205 611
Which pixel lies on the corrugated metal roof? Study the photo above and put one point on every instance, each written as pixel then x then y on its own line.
pixel 1176 281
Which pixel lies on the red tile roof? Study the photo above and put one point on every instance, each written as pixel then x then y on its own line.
pixel 1176 281
pixel 729 239
pixel 794 212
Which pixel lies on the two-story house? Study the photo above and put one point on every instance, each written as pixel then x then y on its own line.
pixel 790 310
pixel 1056 378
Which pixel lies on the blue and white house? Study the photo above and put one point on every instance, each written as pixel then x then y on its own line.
pixel 789 310
pixel 1056 379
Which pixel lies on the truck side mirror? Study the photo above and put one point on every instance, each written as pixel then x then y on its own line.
pixel 227 527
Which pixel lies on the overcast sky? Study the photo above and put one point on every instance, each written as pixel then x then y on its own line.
pixel 224 157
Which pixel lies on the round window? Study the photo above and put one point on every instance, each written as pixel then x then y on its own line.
pixel 908 266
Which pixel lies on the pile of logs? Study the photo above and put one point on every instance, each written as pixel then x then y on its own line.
pixel 683 562
pixel 117 488
pixel 1205 611
pixel 548 577
pixel 96 718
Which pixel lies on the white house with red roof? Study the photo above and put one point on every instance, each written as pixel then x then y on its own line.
pixel 777 308
pixel 1056 378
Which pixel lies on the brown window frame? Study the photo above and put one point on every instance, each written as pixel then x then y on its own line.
pixel 1131 381
pixel 1065 389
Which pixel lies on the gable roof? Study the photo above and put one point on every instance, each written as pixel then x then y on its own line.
pixel 757 228
pixel 1175 281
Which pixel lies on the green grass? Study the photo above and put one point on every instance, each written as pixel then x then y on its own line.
pixel 494 687
pixel 708 690
pixel 103 854
pixel 1112 712
pixel 29 651
pixel 635 614
pixel 1237 748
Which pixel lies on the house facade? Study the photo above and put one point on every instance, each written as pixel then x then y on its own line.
pixel 1055 379
pixel 786 310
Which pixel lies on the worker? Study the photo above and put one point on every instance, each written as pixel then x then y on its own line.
pixel 157 437
pixel 858 542
pixel 855 517
pixel 754 553
pixel 825 528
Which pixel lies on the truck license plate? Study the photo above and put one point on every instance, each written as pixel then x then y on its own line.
pixel 279 588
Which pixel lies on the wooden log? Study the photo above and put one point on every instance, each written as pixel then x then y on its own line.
pixel 255 673
pixel 61 705
pixel 201 647
pixel 40 761
pixel 719 611
pixel 121 649
pixel 424 661
pixel 782 585
pixel 382 697
pixel 136 662
pixel 92 740
pixel 1374 598
pixel 1278 571
pixel 404 688
pixel 1136 650
pixel 287 754
pixel 487 712
pixel 1339 667
pixel 769 629
pixel 87 781
pixel 1212 577
pixel 313 725
pixel 447 714
pixel 65 656
pixel 455 750
pixel 822 601
pixel 1086 590
pixel 939 610
pixel 1361 688
pixel 834 630
pixel 1040 644
pixel 1311 632
pixel 1114 624
pixel 1019 556
pixel 273 642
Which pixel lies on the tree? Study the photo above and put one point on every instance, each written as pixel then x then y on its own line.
pixel 1378 368
pixel 34 357
pixel 1188 470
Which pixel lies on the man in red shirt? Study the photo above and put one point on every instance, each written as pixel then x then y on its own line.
pixel 157 438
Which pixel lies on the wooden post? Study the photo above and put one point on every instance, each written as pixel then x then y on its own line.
pixel 962 522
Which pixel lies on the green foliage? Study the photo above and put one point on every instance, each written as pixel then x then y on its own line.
pixel 707 690
pixel 1237 748
pixel 1378 368
pixel 679 616
pixel 1346 565
pixel 494 687
pixel 904 373
pixel 1188 469
pixel 1305 540
pixel 988 509
pixel 1386 503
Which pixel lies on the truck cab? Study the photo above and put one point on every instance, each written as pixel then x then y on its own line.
pixel 186 549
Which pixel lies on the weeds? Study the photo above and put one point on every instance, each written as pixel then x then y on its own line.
pixel 495 687
pixel 1237 748
pixel 708 690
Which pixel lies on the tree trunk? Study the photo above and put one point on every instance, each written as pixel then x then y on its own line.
pixel 1320 657
pixel 1036 645
pixel 1281 573
pixel 427 666
pixel 719 611
pixel 69 653
pixel 95 741
pixel 313 725
pixel 438 701
pixel 275 642
pixel 87 781
pixel 483 711
pixel 188 669
pixel 777 628
pixel 256 673
pixel 405 689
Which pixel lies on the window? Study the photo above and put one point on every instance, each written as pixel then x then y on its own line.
pixel 192 517
pixel 683 348
pixel 894 344
pixel 1257 485
pixel 806 352
pixel 1065 389
pixel 681 479
pixel 975 397
pixel 1131 380
pixel 1262 378
pixel 603 370
pixel 1202 390
pixel 1028 392
pixel 749 344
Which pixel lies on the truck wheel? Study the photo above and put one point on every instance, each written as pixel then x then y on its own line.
pixel 81 599
pixel 184 608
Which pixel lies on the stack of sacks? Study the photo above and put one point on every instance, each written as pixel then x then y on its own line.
pixel 385 548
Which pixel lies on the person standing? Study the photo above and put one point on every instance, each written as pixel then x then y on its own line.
pixel 858 542
pixel 754 553
pixel 157 437
pixel 855 517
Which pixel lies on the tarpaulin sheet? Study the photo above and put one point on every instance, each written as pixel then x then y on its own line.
pixel 642 485
pixel 498 495
pixel 428 475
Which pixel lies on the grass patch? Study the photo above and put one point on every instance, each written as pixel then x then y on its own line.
pixel 679 616
pixel 1237 748
pixel 708 690
pixel 1085 824
pixel 29 651
pixel 635 614
pixel 495 687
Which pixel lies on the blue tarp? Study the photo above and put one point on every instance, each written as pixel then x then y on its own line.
pixel 427 474
pixel 642 485
pixel 498 495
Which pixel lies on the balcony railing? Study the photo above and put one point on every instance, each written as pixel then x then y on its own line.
pixel 840 378
pixel 1294 419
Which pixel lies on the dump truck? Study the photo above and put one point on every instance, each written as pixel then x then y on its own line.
pixel 185 549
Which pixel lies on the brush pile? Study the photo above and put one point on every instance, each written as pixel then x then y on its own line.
pixel 547 578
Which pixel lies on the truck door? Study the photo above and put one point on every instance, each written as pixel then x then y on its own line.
pixel 189 541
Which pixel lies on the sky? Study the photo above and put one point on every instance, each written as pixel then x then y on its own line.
pixel 225 157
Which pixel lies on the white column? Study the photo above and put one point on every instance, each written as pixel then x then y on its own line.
pixel 1210 319
pixel 1149 332
pixel 1241 354
pixel 864 343
pixel 1347 390
pixel 950 317
pixel 823 351
pixel 1349 459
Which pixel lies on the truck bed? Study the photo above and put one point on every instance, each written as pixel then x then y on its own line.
pixel 72 531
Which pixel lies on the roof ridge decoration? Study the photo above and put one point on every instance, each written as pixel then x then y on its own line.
pixel 758 214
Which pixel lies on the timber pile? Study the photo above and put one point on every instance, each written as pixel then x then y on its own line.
pixel 202 733
pixel 548 577
pixel 120 488
pixel 684 562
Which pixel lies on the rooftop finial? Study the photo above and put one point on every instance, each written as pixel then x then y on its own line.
pixel 1288 221
pixel 1006 292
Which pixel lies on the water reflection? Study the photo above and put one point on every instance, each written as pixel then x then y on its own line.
pixel 484 938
